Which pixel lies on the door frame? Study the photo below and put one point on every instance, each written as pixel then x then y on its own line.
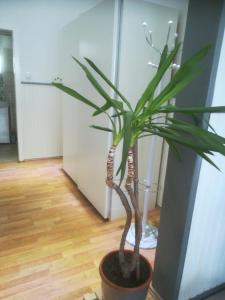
pixel 17 86
pixel 182 177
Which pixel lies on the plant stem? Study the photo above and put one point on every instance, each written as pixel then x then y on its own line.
pixel 136 181
pixel 138 225
pixel 132 189
pixel 110 166
pixel 136 194
pixel 125 267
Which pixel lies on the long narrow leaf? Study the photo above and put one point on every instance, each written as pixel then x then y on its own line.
pixel 213 137
pixel 100 73
pixel 75 94
pixel 163 56
pixel 209 160
pixel 187 72
pixel 173 148
pixel 172 90
pixel 191 109
pixel 150 90
pixel 119 114
pixel 103 108
pixel 208 124
pixel 194 145
pixel 197 118
pixel 106 106
pixel 209 141
pixel 98 87
pixel 190 65
pixel 101 128
pixel 199 140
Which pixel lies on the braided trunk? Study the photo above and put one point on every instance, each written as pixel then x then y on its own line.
pixel 134 201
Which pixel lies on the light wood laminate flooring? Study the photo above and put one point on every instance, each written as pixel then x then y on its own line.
pixel 51 238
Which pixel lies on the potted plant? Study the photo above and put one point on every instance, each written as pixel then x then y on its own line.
pixel 127 274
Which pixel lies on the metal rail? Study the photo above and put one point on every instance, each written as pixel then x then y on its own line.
pixel 36 83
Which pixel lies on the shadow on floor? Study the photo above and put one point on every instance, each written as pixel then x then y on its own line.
pixel 8 152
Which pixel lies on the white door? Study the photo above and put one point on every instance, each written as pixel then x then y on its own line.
pixel 135 73
pixel 85 149
pixel 93 35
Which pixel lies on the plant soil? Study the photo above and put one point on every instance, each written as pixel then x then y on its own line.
pixel 112 271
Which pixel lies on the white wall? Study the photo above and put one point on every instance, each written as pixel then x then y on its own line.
pixel 181 6
pixel 205 258
pixel 36 26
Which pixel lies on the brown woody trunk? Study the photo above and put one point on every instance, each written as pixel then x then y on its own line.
pixel 137 213
pixel 126 267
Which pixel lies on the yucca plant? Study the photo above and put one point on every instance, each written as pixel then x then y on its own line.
pixel 152 115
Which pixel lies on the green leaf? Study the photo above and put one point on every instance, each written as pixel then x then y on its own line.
pixel 190 65
pixel 190 110
pixel 163 56
pixel 173 148
pixel 75 94
pixel 193 137
pixel 102 109
pixel 172 90
pixel 118 114
pixel 97 86
pixel 197 119
pixel 150 90
pixel 101 128
pixel 204 156
pixel 207 136
pixel 187 142
pixel 100 73
pixel 208 124
pixel 107 105
pixel 187 72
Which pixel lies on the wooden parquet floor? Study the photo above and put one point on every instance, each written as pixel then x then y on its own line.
pixel 51 238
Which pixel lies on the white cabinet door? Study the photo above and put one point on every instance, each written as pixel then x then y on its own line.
pixel 135 73
pixel 93 35
pixel 85 149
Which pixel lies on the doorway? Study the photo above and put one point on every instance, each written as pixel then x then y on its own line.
pixel 8 127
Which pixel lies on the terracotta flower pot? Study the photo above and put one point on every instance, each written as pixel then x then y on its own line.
pixel 114 290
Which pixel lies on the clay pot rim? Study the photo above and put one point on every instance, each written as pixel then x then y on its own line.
pixel 121 288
